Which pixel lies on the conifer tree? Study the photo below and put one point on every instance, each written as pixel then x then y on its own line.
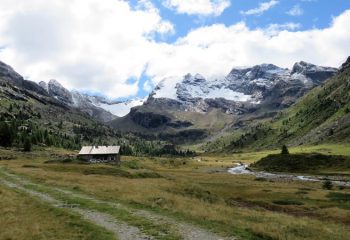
pixel 284 150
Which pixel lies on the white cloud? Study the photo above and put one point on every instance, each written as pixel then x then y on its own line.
pixel 90 44
pixel 148 86
pixel 275 29
pixel 263 7
pixel 101 45
pixel 296 11
pixel 198 7
pixel 214 50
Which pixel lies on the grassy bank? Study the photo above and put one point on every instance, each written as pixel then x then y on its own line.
pixel 303 163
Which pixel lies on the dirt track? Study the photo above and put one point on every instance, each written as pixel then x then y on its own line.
pixel 122 230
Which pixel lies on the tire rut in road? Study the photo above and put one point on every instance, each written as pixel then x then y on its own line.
pixel 121 230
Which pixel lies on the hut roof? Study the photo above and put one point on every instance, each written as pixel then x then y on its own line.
pixel 96 150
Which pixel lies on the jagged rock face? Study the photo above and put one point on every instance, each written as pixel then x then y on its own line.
pixel 315 73
pixel 243 89
pixel 33 86
pixel 44 86
pixel 8 74
pixel 345 65
pixel 256 80
pixel 83 103
pixel 56 90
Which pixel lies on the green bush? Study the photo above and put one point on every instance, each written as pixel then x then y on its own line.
pixel 260 179
pixel 147 175
pixel 327 185
pixel 27 146
pixel 287 202
pixel 301 162
pixel 131 164
pixel 199 193
pixel 284 150
pixel 107 171
pixel 337 196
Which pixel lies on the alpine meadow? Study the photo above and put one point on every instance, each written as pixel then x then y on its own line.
pixel 174 119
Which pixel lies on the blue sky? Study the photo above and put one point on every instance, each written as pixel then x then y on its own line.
pixel 122 49
pixel 315 14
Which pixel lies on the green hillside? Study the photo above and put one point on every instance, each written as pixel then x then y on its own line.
pixel 30 119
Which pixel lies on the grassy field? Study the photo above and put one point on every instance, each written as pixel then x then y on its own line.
pixel 198 190
pixel 26 218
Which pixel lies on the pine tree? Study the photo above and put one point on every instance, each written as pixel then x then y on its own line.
pixel 284 150
pixel 7 135
pixel 27 147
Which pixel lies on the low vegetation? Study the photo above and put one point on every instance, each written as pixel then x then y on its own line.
pixel 186 186
pixel 304 162
pixel 26 218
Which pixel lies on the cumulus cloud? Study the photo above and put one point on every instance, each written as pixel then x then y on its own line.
pixel 85 44
pixel 274 29
pixel 296 10
pixel 263 7
pixel 106 46
pixel 198 7
pixel 214 50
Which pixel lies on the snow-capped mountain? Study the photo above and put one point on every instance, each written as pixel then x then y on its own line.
pixel 118 108
pixel 193 107
pixel 252 85
pixel 98 107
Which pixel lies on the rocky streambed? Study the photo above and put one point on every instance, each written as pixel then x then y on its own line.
pixel 240 168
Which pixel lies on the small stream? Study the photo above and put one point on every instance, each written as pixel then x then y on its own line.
pixel 244 169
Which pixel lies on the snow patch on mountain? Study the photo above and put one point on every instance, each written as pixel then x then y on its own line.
pixel 248 84
pixel 167 88
pixel 189 87
pixel 104 108
pixel 120 109
pixel 117 108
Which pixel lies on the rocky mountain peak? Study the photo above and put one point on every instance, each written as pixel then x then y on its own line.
pixel 56 90
pixel 197 79
pixel 44 85
pixel 259 84
pixel 54 82
pixel 304 67
pixel 7 73
pixel 345 65
pixel 313 73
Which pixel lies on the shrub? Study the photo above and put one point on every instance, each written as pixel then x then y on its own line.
pixel 284 150
pixel 327 185
pixel 287 202
pixel 147 175
pixel 301 162
pixel 260 179
pixel 131 164
pixel 27 147
pixel 200 193
pixel 29 166
pixel 337 196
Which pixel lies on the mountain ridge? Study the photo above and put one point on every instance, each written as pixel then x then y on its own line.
pixel 196 108
pixel 321 116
